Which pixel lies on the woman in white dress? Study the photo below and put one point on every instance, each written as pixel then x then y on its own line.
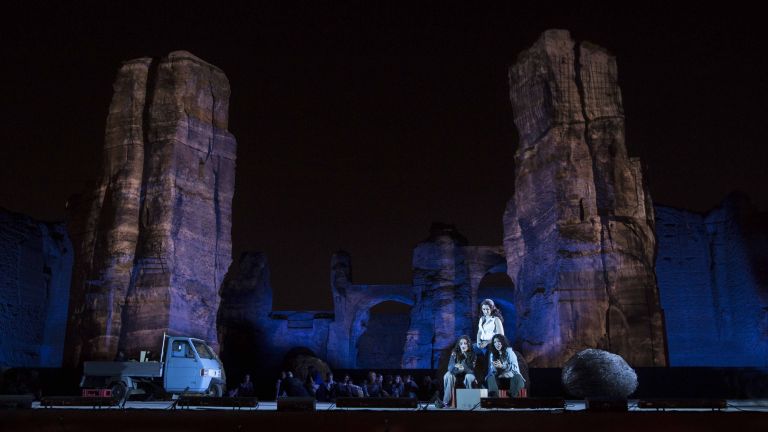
pixel 491 323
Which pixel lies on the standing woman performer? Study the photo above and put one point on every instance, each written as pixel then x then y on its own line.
pixel 490 324
pixel 461 363
pixel 502 363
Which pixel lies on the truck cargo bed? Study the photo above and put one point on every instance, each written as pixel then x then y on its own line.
pixel 129 368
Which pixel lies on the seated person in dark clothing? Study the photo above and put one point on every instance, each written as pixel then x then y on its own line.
pixel 350 387
pixel 245 389
pixel 428 388
pixel 411 389
pixel 387 384
pixel 342 389
pixel 397 387
pixel 328 390
pixel 461 365
pixel 294 387
pixel 503 364
pixel 310 386
pixel 380 382
pixel 372 388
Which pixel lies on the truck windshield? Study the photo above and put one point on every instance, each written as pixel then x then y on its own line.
pixel 202 350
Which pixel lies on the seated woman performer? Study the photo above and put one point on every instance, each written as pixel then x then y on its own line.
pixel 461 364
pixel 502 363
pixel 490 324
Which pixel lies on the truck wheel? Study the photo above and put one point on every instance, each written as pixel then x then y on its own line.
pixel 119 390
pixel 215 390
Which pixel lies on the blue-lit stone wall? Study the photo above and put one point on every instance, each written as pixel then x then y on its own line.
pixel 371 326
pixel 712 272
pixel 712 285
pixel 382 343
pixel 35 271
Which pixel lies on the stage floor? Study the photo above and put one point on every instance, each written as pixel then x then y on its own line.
pixel 736 405
pixel 740 415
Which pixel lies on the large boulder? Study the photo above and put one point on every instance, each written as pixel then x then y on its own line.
pixel 595 373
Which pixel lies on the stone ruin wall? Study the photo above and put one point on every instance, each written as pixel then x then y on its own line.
pixel 35 270
pixel 252 333
pixel 714 284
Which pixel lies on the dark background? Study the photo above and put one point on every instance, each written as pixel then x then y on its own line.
pixel 358 126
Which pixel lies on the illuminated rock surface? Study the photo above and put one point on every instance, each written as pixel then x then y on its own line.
pixel 713 281
pixel 153 239
pixel 35 269
pixel 578 232
pixel 443 311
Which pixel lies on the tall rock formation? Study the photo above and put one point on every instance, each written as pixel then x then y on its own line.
pixel 579 230
pixel 153 239
pixel 35 270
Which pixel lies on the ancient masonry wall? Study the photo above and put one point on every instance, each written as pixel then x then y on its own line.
pixel 35 270
pixel 713 290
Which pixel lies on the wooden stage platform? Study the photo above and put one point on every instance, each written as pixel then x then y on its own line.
pixel 740 415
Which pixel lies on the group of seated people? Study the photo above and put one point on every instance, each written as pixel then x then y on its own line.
pixel 327 390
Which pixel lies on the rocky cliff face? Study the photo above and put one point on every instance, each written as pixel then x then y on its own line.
pixel 35 270
pixel 153 238
pixel 578 233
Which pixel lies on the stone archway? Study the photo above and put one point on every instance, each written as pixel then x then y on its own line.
pixel 352 309
pixel 382 343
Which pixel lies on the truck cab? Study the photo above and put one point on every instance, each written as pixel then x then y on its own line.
pixel 192 366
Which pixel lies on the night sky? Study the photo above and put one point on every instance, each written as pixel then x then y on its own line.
pixel 357 128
